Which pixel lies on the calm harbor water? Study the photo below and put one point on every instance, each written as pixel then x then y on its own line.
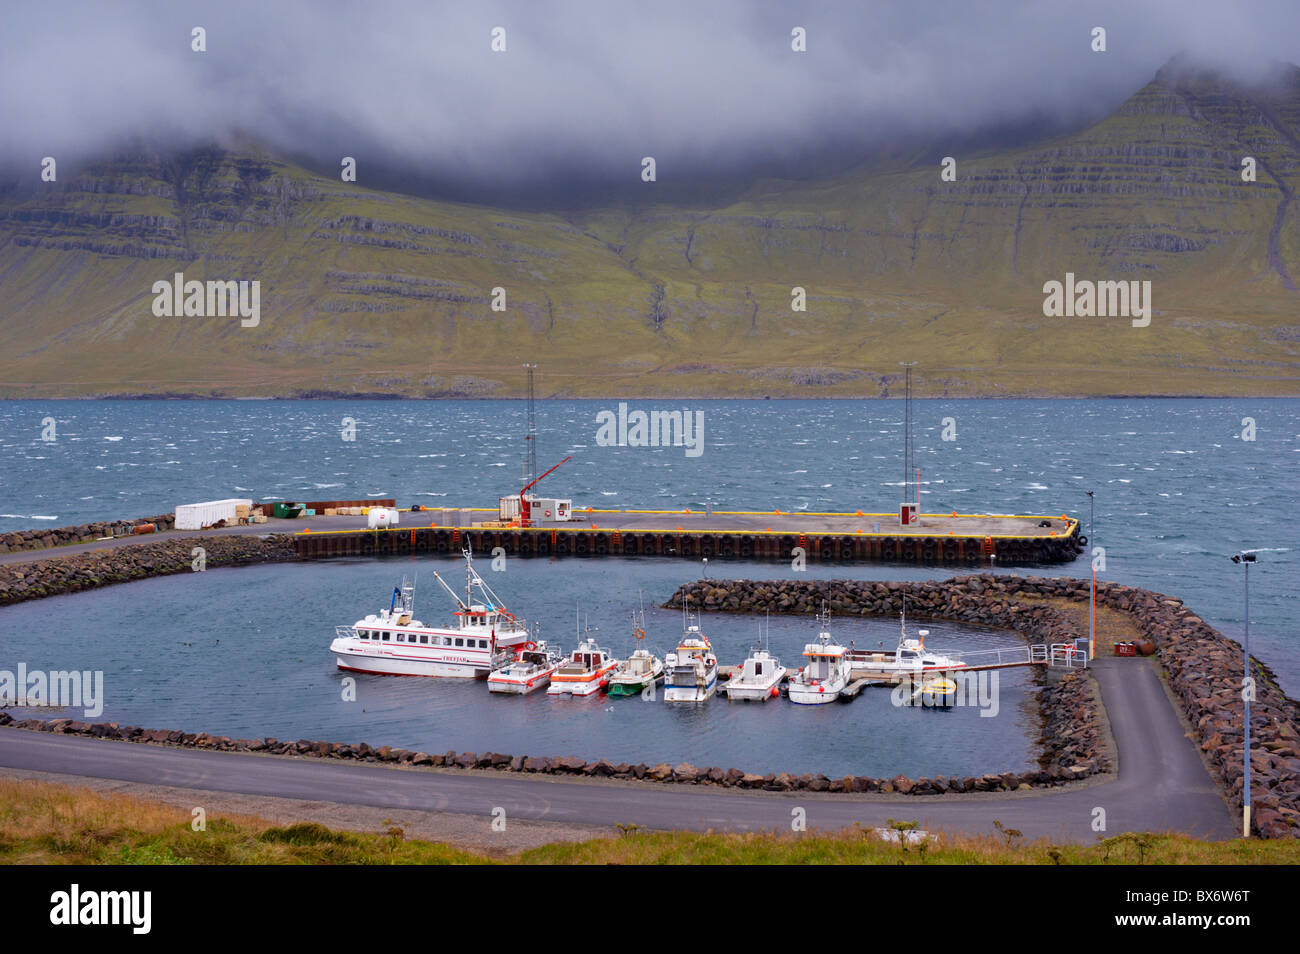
pixel 245 651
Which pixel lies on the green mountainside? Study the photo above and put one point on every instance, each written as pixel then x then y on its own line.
pixel 373 292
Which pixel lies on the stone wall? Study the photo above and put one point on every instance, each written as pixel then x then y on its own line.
pixel 1074 694
pixel 103 567
pixel 43 539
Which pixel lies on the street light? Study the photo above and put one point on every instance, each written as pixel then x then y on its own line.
pixel 1092 592
pixel 1246 557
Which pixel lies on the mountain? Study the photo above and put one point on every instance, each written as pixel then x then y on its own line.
pixel 371 292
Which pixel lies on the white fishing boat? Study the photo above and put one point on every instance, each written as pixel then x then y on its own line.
pixel 759 678
pixel 483 635
pixel 530 670
pixel 691 670
pixel 585 672
pixel 911 658
pixel 826 673
pixel 639 671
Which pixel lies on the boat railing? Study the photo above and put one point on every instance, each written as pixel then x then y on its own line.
pixel 345 632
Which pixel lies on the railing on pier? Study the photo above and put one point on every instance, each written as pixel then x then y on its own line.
pixel 1069 656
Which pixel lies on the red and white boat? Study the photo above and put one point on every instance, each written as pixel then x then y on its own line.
pixel 530 670
pixel 483 636
pixel 586 672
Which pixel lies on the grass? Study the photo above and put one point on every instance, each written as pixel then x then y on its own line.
pixel 44 823
pixel 896 267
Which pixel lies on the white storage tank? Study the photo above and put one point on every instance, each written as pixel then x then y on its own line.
pixel 382 517
pixel 196 516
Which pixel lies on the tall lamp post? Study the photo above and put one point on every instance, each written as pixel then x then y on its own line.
pixel 1092 591
pixel 1246 558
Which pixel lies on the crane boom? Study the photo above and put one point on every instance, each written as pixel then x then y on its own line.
pixel 534 483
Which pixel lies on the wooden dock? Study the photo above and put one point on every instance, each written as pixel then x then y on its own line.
pixel 953 539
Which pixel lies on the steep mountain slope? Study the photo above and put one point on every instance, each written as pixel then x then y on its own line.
pixel 366 292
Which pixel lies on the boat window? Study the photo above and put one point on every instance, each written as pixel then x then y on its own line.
pixel 483 644
pixel 387 636
pixel 459 641
pixel 363 633
pixel 424 639
pixel 758 671
pixel 401 638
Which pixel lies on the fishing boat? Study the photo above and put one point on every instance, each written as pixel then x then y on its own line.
pixel 911 658
pixel 531 669
pixel 639 671
pixel 585 672
pixel 759 678
pixel 692 670
pixel 483 635
pixel 826 673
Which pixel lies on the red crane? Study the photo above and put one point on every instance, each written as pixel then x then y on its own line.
pixel 525 509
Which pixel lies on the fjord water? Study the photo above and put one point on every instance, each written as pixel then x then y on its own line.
pixel 245 651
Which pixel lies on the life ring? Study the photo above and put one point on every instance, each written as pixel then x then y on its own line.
pixel 530 645
pixel 548 513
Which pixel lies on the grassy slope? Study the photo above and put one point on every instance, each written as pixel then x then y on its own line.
pixel 41 823
pixel 370 291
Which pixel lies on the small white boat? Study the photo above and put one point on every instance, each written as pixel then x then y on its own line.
pixel 826 674
pixel 529 671
pixel 482 637
pixel 692 670
pixel 759 678
pixel 585 672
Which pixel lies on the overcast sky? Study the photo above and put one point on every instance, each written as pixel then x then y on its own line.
pixel 585 89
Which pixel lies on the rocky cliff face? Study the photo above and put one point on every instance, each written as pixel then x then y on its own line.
pixel 367 291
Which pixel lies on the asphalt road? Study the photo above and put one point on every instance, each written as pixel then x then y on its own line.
pixel 1161 784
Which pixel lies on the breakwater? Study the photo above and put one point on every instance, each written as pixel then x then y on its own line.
pixel 1202 667
pixel 44 538
pixel 120 564
pixel 1074 696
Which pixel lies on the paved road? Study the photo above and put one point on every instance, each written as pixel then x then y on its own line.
pixel 1161 784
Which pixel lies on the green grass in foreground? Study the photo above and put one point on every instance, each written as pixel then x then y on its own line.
pixel 42 823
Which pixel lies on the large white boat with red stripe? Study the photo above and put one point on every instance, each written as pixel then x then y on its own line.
pixel 483 636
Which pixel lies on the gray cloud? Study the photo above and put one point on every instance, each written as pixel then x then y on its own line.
pixel 586 89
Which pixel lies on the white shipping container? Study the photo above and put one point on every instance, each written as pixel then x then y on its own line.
pixel 196 516
pixel 382 517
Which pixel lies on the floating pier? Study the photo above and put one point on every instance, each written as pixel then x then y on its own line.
pixel 780 536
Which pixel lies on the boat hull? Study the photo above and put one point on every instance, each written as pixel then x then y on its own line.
pixel 752 693
pixel 385 666
pixel 691 693
pixel 802 695
pixel 519 687
pixel 575 688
